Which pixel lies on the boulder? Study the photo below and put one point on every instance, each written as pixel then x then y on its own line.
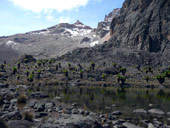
pixel 27 58
pixel 15 115
pixel 155 111
pixel 168 114
pixel 19 124
pixel 40 107
pixel 130 125
pixel 117 113
pixel 75 111
pixel 4 85
pixel 150 125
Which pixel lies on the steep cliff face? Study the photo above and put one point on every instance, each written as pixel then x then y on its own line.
pixel 142 25
pixel 140 35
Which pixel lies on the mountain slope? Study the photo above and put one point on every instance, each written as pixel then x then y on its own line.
pixel 50 42
pixel 139 36
pixel 55 41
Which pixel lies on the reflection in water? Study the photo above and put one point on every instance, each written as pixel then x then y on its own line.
pixel 100 99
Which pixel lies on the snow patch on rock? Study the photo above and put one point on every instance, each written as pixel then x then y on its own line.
pixel 94 43
pixel 10 43
pixel 78 32
pixel 41 33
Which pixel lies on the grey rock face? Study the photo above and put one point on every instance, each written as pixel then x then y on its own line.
pixel 142 25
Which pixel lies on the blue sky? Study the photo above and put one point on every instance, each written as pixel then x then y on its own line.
pixel 20 16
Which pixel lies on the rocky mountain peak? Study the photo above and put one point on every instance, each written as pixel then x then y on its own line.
pixel 111 15
pixel 78 23
pixel 103 27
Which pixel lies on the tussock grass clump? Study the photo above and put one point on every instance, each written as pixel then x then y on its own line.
pixel 22 99
pixel 28 116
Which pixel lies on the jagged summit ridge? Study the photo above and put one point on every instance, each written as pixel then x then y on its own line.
pixel 103 27
pixel 111 15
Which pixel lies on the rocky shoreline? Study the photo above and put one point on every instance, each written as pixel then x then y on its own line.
pixel 53 113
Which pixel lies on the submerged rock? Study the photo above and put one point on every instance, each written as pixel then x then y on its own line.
pixel 140 111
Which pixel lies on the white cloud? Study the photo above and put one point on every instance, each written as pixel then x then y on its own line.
pixel 50 18
pixel 58 20
pixel 98 1
pixel 64 20
pixel 38 6
pixel 39 16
